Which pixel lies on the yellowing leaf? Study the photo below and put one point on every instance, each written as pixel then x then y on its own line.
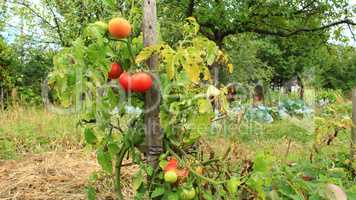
pixel 146 53
pixel 230 68
pixel 193 72
pixel 193 21
pixel 170 66
pixel 206 74
pixel 169 57
pixel 204 106
pixel 212 91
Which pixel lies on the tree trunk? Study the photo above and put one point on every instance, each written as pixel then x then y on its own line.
pixel 353 129
pixel 154 138
pixel 2 98
pixel 301 91
pixel 215 70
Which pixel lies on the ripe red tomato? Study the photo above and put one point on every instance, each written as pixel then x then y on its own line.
pixel 125 80
pixel 115 71
pixel 171 165
pixel 141 82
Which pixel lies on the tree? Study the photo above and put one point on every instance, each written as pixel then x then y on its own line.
pixel 336 68
pixel 298 23
pixel 8 68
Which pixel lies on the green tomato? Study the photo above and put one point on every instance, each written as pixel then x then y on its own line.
pixel 102 26
pixel 173 196
pixel 170 176
pixel 187 194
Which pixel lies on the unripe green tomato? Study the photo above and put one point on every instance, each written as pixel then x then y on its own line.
pixel 173 196
pixel 170 176
pixel 187 194
pixel 102 26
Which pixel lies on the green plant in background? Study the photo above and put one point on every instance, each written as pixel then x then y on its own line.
pixel 34 130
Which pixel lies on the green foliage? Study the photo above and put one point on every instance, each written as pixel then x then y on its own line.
pixel 260 39
pixel 24 74
pixel 248 54
pixel 337 67
pixel 8 62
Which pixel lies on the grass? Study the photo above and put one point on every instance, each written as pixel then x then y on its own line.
pixel 35 130
pixel 288 140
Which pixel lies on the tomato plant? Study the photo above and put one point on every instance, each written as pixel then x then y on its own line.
pixel 113 116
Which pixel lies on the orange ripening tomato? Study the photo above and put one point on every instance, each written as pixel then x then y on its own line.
pixel 119 28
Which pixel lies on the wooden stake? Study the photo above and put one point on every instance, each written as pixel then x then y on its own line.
pixel 2 98
pixel 154 138
pixel 353 129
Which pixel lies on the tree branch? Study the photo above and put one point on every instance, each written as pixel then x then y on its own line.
pixel 59 32
pixel 283 33
pixel 190 8
pixel 33 11
pixel 352 33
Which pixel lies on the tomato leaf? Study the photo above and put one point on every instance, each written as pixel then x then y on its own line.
pixel 113 148
pixel 159 191
pixel 262 163
pixel 89 136
pixel 149 170
pixel 137 180
pixel 146 53
pixel 232 185
pixel 104 160
pixel 204 106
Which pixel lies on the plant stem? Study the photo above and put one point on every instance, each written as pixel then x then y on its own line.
pixel 129 47
pixel 193 171
pixel 119 158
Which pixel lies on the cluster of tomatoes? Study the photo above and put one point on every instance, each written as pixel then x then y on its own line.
pixel 138 82
pixel 174 175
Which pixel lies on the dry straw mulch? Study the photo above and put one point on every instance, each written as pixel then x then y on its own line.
pixel 56 176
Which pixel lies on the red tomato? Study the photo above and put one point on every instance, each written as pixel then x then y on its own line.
pixel 141 82
pixel 171 165
pixel 115 71
pixel 125 80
